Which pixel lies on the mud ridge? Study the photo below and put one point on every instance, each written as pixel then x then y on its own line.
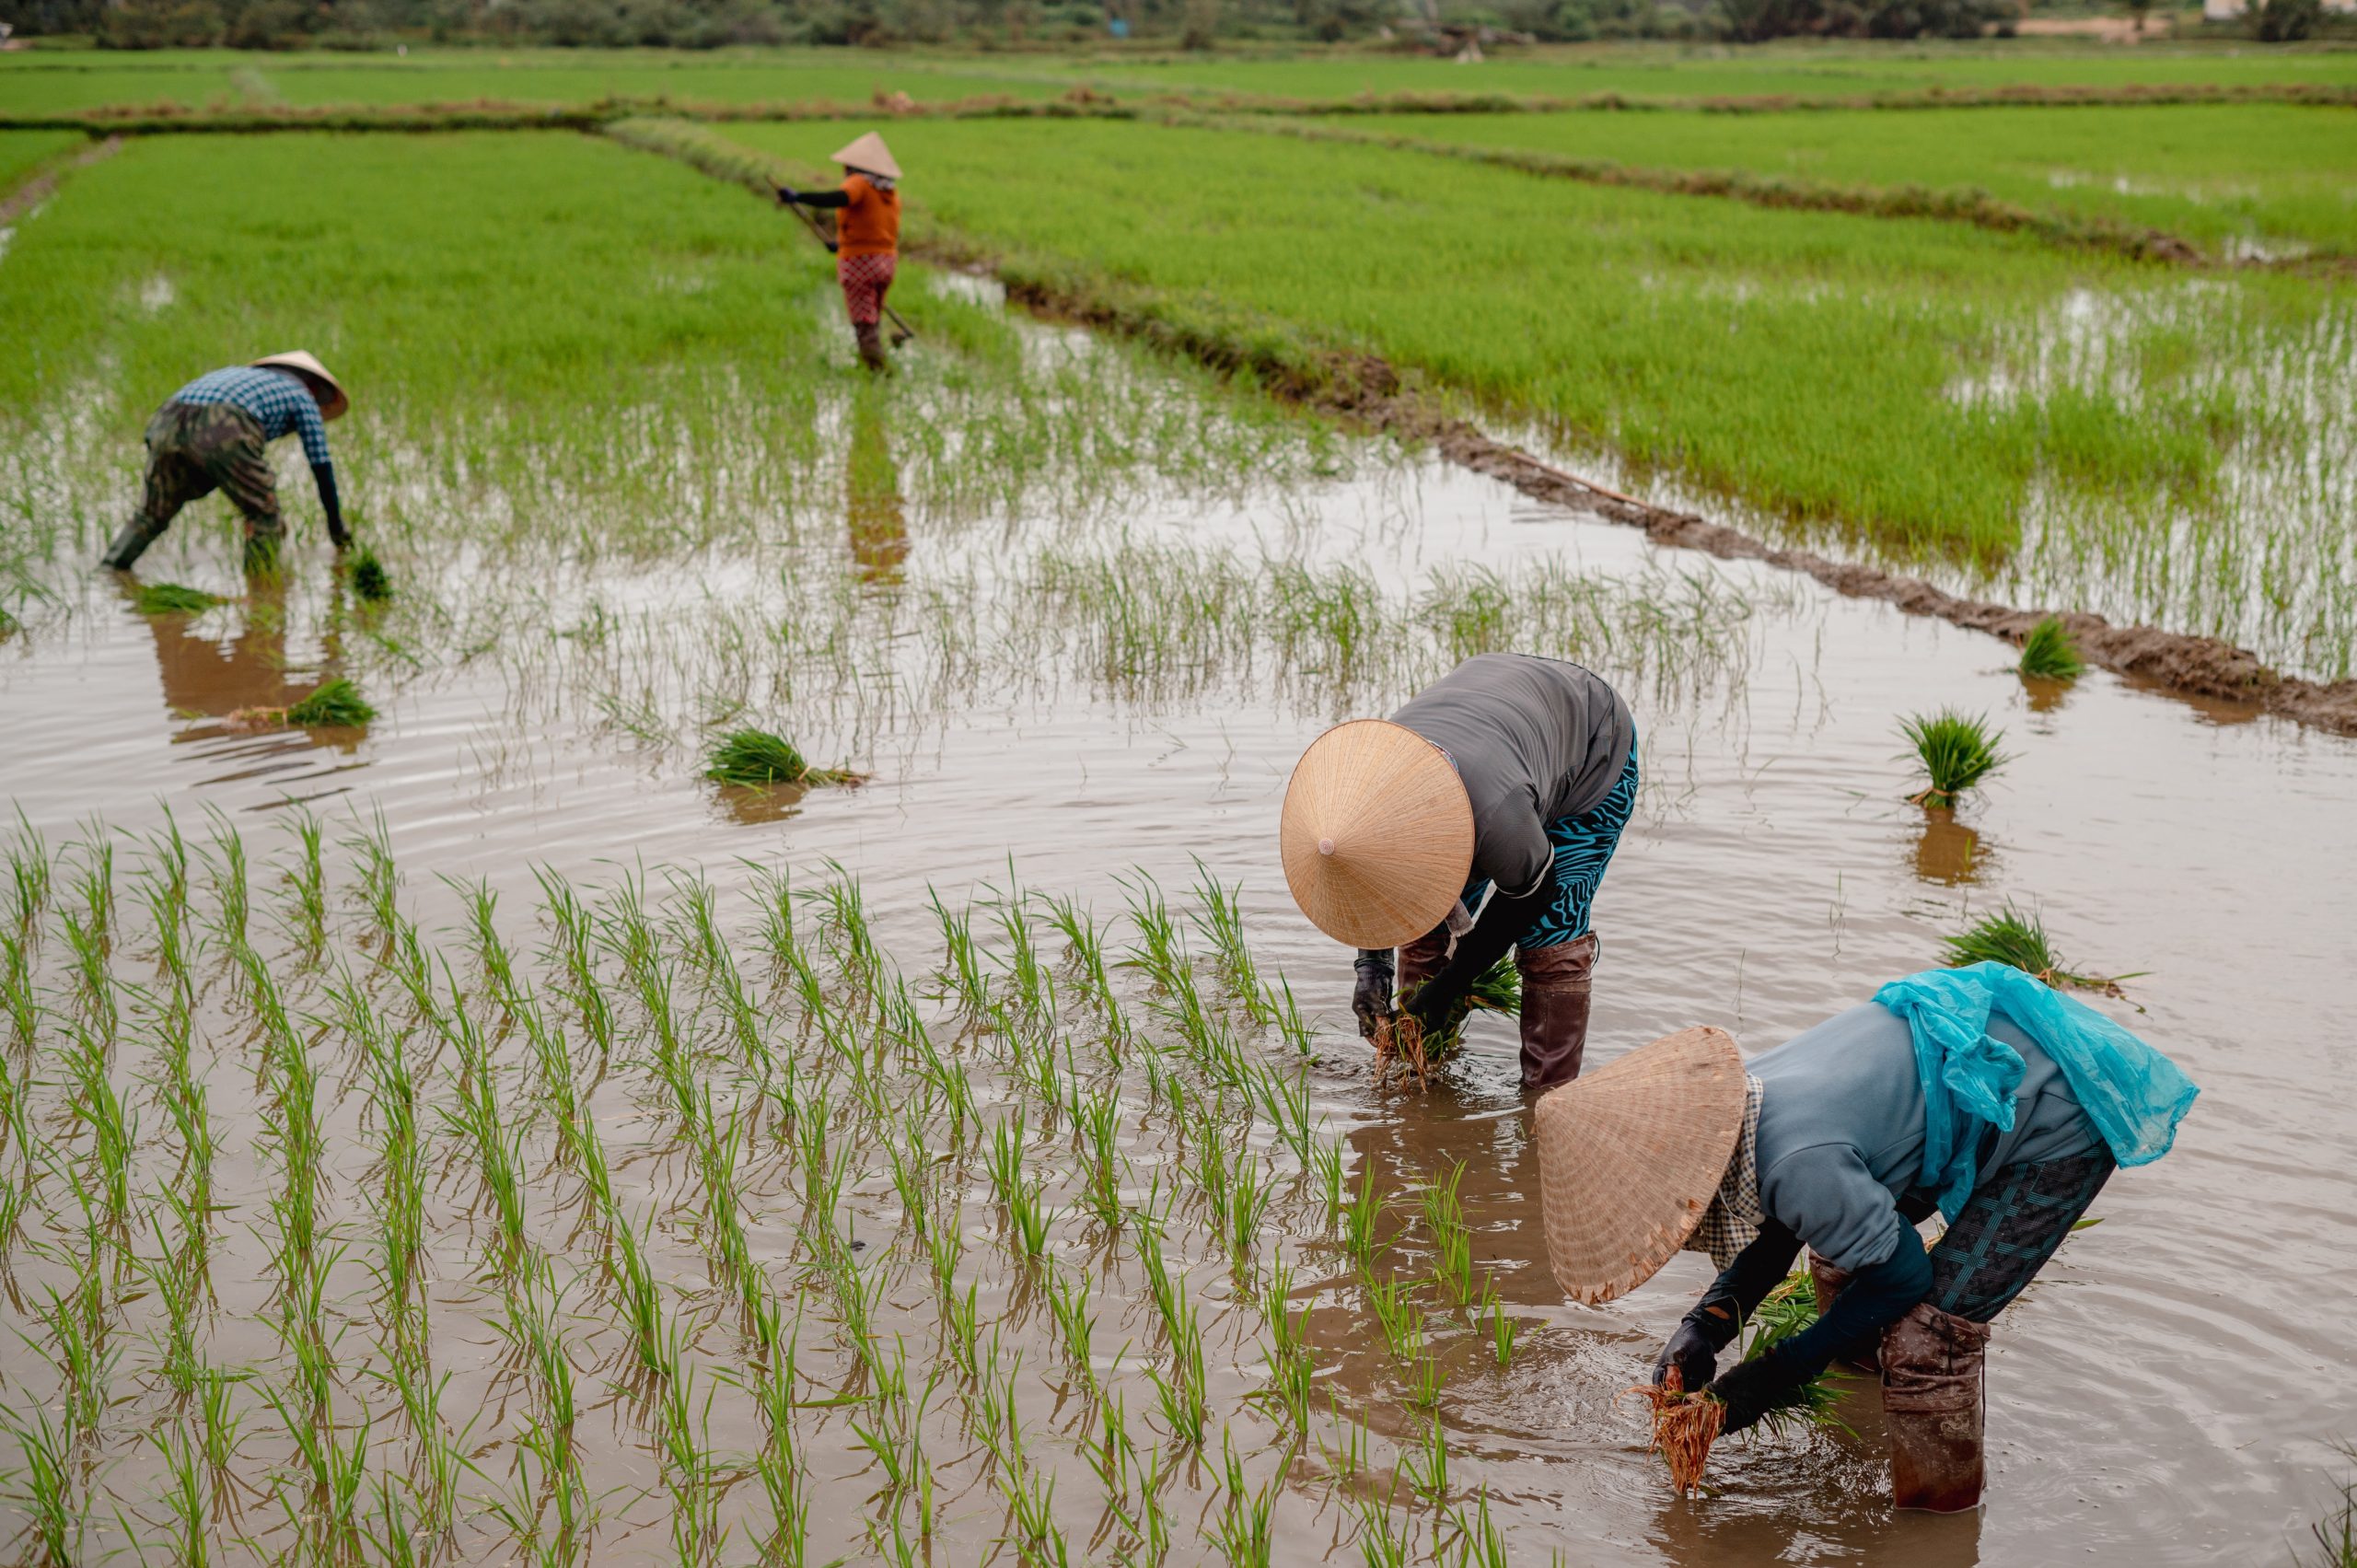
pixel 35 191
pixel 1366 391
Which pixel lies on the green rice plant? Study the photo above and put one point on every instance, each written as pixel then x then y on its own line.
pixel 1378 1547
pixel 1068 1300
pixel 757 758
pixel 1361 1220
pixel 2336 1533
pixel 1030 1219
pixel 186 1495
pixel 332 704
pixel 219 1421
pixel 2049 654
pixel 1499 989
pixel 173 598
pixel 1425 1465
pixel 1785 1311
pixel 2017 938
pixel 1426 1380
pixel 1479 1542
pixel 1502 1329
pixel 1251 1190
pixel 1399 1315
pixel 47 1471
pixel 370 582
pixel 1957 751
pixel 1452 1240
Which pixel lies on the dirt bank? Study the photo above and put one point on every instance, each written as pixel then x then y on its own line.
pixel 33 191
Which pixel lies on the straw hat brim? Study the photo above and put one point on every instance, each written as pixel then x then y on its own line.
pixel 1377 835
pixel 1630 1156
pixel 324 386
pixel 868 155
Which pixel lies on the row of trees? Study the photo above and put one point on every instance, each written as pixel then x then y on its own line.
pixel 262 24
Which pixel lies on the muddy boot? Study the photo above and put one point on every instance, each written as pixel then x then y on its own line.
pixel 1858 1354
pixel 129 544
pixel 1420 959
pixel 1932 1374
pixel 1555 985
pixel 871 346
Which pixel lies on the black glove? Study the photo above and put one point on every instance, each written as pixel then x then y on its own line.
pixel 785 193
pixel 1440 1003
pixel 1694 1350
pixel 1771 1382
pixel 1371 998
pixel 323 474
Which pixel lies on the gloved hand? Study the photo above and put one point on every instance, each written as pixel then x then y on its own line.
pixel 1371 998
pixel 1438 1009
pixel 1694 1351
pixel 1751 1388
pixel 785 193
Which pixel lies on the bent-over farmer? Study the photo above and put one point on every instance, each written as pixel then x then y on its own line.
pixel 1978 1093
pixel 867 235
pixel 211 435
pixel 1512 776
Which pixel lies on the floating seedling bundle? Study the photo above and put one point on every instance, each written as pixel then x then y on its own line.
pixel 334 704
pixel 757 758
pixel 1957 751
pixel 174 599
pixel 369 579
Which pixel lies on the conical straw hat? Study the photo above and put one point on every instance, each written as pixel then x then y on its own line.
pixel 1629 1156
pixel 869 155
pixel 1377 833
pixel 332 399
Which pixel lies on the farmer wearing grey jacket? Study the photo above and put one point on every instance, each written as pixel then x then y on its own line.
pixel 1510 778
pixel 1980 1094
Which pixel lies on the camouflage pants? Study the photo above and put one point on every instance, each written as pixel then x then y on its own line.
pixel 192 451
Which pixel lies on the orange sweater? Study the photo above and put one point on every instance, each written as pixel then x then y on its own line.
pixel 870 223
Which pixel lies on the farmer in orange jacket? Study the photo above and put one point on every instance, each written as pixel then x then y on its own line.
pixel 867 235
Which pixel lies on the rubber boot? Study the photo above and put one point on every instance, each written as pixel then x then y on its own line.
pixel 129 545
pixel 871 346
pixel 1933 1364
pixel 1858 1354
pixel 1420 959
pixel 1555 985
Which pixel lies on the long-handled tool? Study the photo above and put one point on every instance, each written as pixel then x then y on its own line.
pixel 902 331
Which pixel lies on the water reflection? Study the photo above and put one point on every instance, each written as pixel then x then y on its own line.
pixel 2046 696
pixel 874 511
pixel 1947 851
pixel 210 682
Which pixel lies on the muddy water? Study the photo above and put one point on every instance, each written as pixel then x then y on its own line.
pixel 2169 1392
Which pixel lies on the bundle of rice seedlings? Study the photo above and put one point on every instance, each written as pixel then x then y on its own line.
pixel 757 758
pixel 368 577
pixel 1685 1425
pixel 174 599
pixel 1407 1044
pixel 1500 988
pixel 2010 937
pixel 334 704
pixel 2049 654
pixel 1957 750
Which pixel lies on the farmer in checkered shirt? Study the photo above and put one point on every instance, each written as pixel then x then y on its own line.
pixel 211 435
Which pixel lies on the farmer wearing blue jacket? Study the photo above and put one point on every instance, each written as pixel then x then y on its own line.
pixel 1978 1093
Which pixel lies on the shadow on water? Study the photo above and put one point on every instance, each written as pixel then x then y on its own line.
pixel 875 513
pixel 1948 852
pixel 216 689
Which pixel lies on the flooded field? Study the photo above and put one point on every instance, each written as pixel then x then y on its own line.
pixel 476 1137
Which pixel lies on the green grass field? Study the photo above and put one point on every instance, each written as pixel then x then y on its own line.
pixel 2265 177
pixel 22 152
pixel 1943 393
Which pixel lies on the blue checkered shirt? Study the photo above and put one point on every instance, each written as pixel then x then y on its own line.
pixel 277 399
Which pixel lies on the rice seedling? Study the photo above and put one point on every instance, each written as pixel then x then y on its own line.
pixel 173 598
pixel 2018 938
pixel 370 582
pixel 332 704
pixel 2049 654
pixel 1502 1329
pixel 186 1496
pixel 1362 1218
pixel 1399 1315
pixel 1684 1424
pixel 1425 1465
pixel 1452 1241
pixel 1957 751
pixel 1378 1547
pixel 757 758
pixel 48 1473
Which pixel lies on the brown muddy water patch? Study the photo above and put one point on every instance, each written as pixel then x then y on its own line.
pixel 2167 1393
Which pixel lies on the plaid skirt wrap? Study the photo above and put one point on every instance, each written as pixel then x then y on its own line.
pixel 865 279
pixel 2007 1230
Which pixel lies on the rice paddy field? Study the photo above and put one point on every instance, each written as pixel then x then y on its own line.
pixel 472 1132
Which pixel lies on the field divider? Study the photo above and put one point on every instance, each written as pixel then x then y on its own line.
pixel 42 178
pixel 1083 102
pixel 1963 205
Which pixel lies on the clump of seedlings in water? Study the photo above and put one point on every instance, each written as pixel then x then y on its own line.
pixel 1957 751
pixel 757 758
pixel 174 599
pixel 2049 654
pixel 2012 936
pixel 369 579
pixel 334 704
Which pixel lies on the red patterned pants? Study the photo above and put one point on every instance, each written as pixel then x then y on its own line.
pixel 865 279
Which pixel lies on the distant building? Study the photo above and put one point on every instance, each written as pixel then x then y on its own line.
pixel 2232 10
